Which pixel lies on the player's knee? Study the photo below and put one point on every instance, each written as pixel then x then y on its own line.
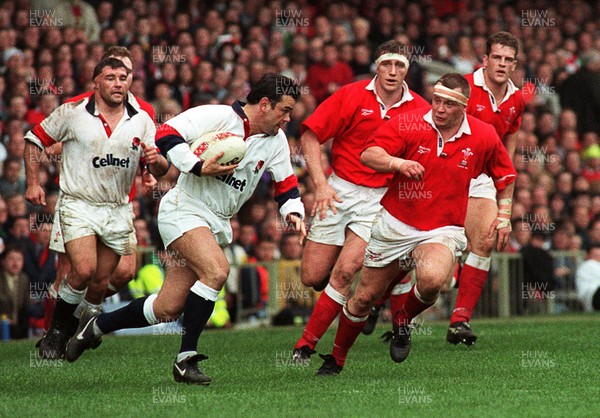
pixel 345 274
pixel 121 276
pixel 83 274
pixel 310 277
pixel 218 276
pixel 430 285
pixel 362 303
pixel 167 312
pixel 483 246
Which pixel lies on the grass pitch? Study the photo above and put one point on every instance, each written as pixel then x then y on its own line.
pixel 542 366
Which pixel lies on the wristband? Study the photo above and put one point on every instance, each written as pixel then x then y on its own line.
pixel 197 168
pixel 504 208
pixel 399 165
pixel 504 223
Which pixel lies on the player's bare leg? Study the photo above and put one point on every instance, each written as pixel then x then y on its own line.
pixel 90 259
pixel 203 272
pixel 434 264
pixel 371 286
pixel 97 291
pixel 481 213
pixel 317 261
pixel 333 298
pixel 396 292
pixel 123 274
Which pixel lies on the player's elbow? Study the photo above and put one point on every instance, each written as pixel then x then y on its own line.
pixel 367 157
pixel 309 137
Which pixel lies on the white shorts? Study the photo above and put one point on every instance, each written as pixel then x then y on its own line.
pixel 110 222
pixel 357 212
pixel 392 239
pixel 57 242
pixel 483 187
pixel 179 212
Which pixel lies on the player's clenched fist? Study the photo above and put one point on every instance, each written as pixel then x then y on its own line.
pixel 150 154
pixel 411 169
pixel 35 195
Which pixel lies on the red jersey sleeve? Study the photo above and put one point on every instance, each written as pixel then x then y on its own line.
pixel 389 137
pixel 499 165
pixel 329 119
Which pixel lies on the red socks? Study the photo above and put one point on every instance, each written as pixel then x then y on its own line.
pixel 472 280
pixel 328 306
pixel 348 331
pixel 412 307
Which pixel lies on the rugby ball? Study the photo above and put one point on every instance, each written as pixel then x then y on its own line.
pixel 212 143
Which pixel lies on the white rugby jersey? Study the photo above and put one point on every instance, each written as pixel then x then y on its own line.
pixel 97 165
pixel 225 195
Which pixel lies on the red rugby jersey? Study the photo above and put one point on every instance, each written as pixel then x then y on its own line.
pixel 504 117
pixel 440 198
pixel 350 116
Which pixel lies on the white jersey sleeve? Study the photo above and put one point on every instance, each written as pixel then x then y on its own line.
pixel 285 181
pixel 176 135
pixel 53 128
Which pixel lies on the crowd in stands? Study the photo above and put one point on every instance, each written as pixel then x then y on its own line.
pixel 190 53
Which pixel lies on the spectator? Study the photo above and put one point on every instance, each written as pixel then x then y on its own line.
pixel 16 206
pixel 538 267
pixel 11 183
pixel 521 235
pixel 587 280
pixel 254 286
pixel 591 169
pixel 581 93
pixel 40 262
pixel 564 266
pixel 465 59
pixel 326 77
pixel 80 15
pixel 14 291
pixel 291 247
pixel 236 255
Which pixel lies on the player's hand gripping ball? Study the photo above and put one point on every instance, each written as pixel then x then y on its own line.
pixel 212 143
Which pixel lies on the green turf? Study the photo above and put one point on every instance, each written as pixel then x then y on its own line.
pixel 539 367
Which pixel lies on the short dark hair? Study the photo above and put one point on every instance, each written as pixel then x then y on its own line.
pixel 113 63
pixel 454 80
pixel 10 248
pixel 273 87
pixel 117 51
pixel 502 38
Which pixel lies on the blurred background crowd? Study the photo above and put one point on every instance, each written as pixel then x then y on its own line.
pixel 190 53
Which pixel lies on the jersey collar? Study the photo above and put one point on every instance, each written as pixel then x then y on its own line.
pixel 238 108
pixel 91 106
pixel 463 129
pixel 406 96
pixel 479 81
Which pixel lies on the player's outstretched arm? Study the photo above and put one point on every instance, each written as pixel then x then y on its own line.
pixel 379 160
pixel 325 195
pixel 35 193
pixel 502 222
